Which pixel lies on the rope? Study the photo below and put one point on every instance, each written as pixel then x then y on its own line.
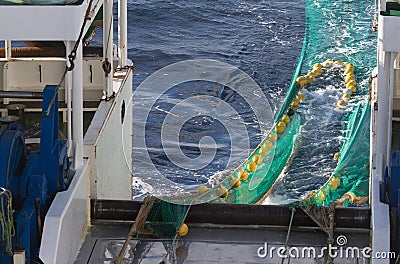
pixel 328 219
pixel 137 226
pixel 6 219
pixel 331 226
pixel 288 233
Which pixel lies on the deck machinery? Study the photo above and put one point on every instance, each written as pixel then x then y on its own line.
pixel 30 181
pixel 84 93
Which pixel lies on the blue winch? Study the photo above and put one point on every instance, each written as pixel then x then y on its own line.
pixel 29 182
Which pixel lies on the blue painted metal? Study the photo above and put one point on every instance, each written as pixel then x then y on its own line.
pixel 33 180
pixel 390 189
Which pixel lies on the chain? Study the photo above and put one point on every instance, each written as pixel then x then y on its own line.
pixel 71 57
pixel 375 21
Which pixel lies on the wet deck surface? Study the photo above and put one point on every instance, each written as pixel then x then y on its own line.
pixel 221 244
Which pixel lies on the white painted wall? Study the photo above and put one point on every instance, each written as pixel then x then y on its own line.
pixel 67 221
pixel 108 144
pixel 33 75
pixel 58 22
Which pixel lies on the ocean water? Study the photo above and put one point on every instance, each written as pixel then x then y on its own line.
pixel 264 40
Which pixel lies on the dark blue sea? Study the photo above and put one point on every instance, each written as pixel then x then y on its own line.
pixel 262 38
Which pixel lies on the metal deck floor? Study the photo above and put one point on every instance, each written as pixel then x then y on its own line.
pixel 217 244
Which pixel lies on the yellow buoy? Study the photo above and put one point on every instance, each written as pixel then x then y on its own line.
pixel 222 192
pixel 336 156
pixel 183 230
pixel 285 119
pixel 350 66
pixel 310 79
pixel 257 159
pixel 242 175
pixel 235 182
pixel 301 81
pixel 328 63
pixel 313 73
pixel 349 78
pixel 349 71
pixel 251 166
pixel 202 189
pixel 346 96
pixel 273 137
pixel 317 66
pixel 319 70
pixel 352 88
pixel 341 103
pixel 267 144
pixel 334 182
pixel 351 83
pixel 295 107
pixel 300 97
pixel 263 151
pixel 280 127
pixel 321 196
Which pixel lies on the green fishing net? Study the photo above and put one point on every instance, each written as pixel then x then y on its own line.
pixel 350 180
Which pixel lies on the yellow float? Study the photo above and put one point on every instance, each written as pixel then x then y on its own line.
pixel 251 166
pixel 351 83
pixel 334 182
pixel 309 78
pixel 349 78
pixel 235 182
pixel 346 96
pixel 317 66
pixel 341 103
pixel 301 81
pixel 267 145
pixel 273 137
pixel 263 151
pixel 243 175
pixel 280 127
pixel 183 230
pixel 300 97
pixel 222 192
pixel 202 189
pixel 351 88
pixel 336 156
pixel 257 159
pixel 348 71
pixel 285 119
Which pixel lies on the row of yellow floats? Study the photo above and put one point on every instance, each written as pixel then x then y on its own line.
pixel 255 159
pixel 350 89
pixel 267 144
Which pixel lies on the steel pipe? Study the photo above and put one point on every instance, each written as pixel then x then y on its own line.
pixel 234 214
pixel 21 94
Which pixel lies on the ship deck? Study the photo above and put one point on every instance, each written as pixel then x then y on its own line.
pixel 245 230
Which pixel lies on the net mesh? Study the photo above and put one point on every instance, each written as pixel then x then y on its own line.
pixel 349 182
